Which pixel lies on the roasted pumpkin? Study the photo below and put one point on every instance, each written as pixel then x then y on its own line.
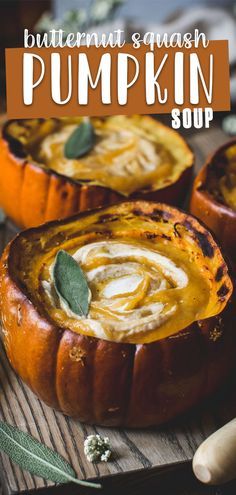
pixel 213 198
pixel 159 334
pixel 126 157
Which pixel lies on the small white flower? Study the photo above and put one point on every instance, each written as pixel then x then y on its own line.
pixel 97 448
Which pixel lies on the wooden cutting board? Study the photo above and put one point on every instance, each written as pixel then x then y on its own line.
pixel 140 456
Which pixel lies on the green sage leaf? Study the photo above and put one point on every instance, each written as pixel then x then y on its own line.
pixel 71 284
pixel 81 141
pixel 37 458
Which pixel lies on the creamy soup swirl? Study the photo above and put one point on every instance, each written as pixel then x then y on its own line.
pixel 133 290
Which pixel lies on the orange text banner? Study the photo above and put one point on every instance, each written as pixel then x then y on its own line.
pixel 47 82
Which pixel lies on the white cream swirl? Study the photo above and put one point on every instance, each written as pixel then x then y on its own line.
pixel 119 152
pixel 127 284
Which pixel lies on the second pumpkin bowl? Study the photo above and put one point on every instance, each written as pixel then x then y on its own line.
pixel 213 198
pixel 44 177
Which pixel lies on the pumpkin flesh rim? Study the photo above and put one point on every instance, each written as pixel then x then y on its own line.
pixel 200 185
pixel 17 150
pixel 224 288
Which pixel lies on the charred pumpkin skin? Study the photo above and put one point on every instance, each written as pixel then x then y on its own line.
pixel 31 195
pixel 110 383
pixel 220 218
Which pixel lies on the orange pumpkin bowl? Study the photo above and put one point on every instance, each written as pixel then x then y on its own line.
pixel 173 347
pixel 37 184
pixel 207 202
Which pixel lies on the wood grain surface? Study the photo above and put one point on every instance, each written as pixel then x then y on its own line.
pixel 157 460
